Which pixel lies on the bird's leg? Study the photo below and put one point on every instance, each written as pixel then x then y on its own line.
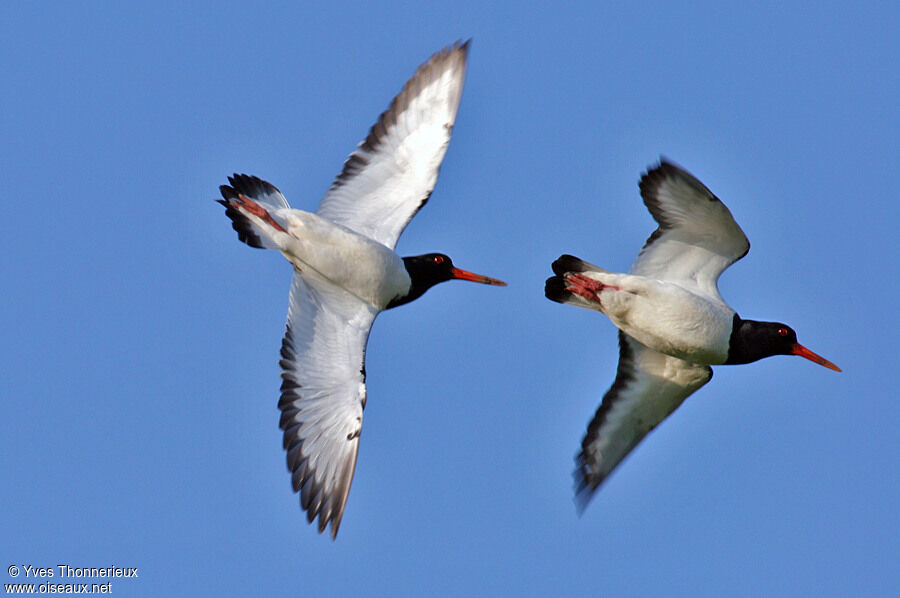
pixel 586 287
pixel 257 210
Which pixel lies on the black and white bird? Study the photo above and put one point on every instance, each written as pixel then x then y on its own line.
pixel 346 272
pixel 673 324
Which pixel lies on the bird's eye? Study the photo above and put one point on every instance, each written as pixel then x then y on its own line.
pixel 438 259
pixel 782 331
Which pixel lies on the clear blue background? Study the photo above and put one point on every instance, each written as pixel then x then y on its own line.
pixel 139 374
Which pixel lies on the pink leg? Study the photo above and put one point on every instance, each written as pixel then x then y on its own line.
pixel 586 287
pixel 257 210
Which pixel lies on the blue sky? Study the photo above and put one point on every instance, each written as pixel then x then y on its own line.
pixel 139 367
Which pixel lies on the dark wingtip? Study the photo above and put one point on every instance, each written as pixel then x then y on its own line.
pixel 585 488
pixel 583 495
pixel 659 172
pixel 457 46
pixel 667 169
pixel 664 166
pixel 654 176
pixel 358 160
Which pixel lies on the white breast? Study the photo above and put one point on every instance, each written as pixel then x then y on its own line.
pixel 331 252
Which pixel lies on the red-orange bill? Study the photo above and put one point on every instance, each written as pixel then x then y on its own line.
pixel 464 275
pixel 802 351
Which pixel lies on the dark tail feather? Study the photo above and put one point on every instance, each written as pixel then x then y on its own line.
pixel 264 196
pixel 555 289
pixel 570 263
pixel 240 223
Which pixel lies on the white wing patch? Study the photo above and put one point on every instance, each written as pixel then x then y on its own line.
pixel 697 236
pixel 393 171
pixel 323 394
pixel 648 387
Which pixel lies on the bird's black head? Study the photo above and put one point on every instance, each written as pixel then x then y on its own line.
pixel 752 340
pixel 427 270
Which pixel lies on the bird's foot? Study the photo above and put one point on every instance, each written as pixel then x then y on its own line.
pixel 250 206
pixel 584 286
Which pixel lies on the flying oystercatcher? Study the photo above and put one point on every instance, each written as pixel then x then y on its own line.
pixel 673 324
pixel 346 272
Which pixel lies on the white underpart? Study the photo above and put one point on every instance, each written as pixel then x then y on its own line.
pixel 666 317
pixel 334 254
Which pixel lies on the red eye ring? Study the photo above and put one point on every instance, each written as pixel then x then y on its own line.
pixel 782 331
pixel 438 259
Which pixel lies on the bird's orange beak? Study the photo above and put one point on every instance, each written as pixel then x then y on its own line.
pixel 464 275
pixel 802 351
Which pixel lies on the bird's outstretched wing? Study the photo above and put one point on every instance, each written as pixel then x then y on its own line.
pixel 697 237
pixel 648 387
pixel 323 393
pixel 393 171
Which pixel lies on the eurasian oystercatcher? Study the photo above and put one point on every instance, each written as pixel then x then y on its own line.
pixel 346 272
pixel 673 324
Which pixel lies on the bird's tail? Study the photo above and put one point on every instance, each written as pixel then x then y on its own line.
pixel 253 205
pixel 556 288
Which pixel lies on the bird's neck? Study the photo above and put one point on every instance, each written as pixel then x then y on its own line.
pixel 746 343
pixel 412 295
pixel 420 280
